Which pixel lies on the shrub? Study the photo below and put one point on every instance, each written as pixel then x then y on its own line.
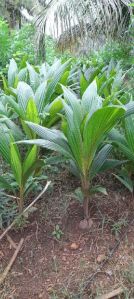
pixel 4 43
pixel 23 43
pixel 125 143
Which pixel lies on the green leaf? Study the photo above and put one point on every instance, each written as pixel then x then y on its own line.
pixel 125 143
pixel 8 90
pixel 100 159
pixel 126 151
pixel 129 131
pixel 100 123
pixel 35 168
pixel 91 100
pixel 29 159
pixel 51 112
pixel 110 164
pixel 129 108
pixel 40 96
pixel 24 93
pixel 116 136
pixel 74 137
pixel 62 81
pixel 34 77
pixel 29 133
pixel 52 145
pixel 83 84
pixel 12 72
pixel 99 189
pixel 15 106
pixel 5 84
pixel 53 139
pixel 55 107
pixel 5 146
pixel 69 96
pixel 31 112
pixel 105 88
pixel 12 127
pixel 95 73
pixel 16 163
pixel 126 181
pixel 78 194
pixel 4 184
pixel 22 75
pixel 52 85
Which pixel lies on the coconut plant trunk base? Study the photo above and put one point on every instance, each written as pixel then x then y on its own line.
pixel 21 207
pixel 85 188
pixel 21 201
pixel 87 222
pixel 86 208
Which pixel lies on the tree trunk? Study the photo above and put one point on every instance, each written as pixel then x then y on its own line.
pixel 21 201
pixel 12 21
pixel 42 48
pixel 42 45
pixel 19 16
pixel 85 189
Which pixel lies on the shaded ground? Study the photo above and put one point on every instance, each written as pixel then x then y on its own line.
pixel 46 262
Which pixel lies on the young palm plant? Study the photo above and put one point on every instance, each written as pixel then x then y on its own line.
pixel 110 81
pixel 125 143
pixel 22 169
pixel 84 127
pixel 38 99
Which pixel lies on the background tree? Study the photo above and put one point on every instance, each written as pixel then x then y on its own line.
pixel 11 10
pixel 80 19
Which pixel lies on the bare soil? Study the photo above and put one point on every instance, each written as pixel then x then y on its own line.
pixel 64 269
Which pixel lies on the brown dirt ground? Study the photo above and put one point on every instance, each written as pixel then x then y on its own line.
pixel 47 263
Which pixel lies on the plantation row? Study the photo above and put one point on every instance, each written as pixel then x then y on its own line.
pixel 81 112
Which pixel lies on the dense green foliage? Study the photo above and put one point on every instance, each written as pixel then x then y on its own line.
pixel 50 96
pixel 125 143
pixel 21 44
pixel 71 103
pixel 83 130
pixel 66 119
pixel 15 44
pixel 4 43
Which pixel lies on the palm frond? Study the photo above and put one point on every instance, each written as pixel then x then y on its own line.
pixel 76 19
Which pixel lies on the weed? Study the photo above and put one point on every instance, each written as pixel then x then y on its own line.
pixel 79 195
pixel 54 296
pixel 8 210
pixel 117 227
pixel 129 274
pixel 57 233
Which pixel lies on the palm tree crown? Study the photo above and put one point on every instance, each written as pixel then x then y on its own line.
pixel 82 18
